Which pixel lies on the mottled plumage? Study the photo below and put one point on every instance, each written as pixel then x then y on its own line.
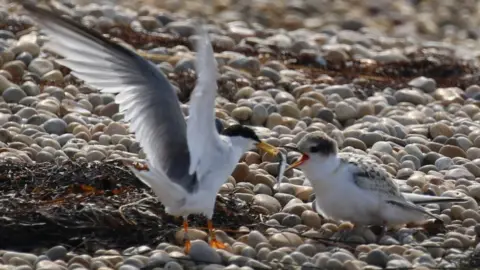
pixel 369 175
pixel 356 188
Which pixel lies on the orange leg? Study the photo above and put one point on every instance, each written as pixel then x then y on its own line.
pixel 188 245
pixel 214 243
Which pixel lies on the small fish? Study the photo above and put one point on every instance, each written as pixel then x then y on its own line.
pixel 282 165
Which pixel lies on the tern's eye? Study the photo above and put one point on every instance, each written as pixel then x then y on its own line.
pixel 314 149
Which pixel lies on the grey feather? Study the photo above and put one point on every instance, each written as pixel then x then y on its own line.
pixel 410 206
pixel 369 175
pixel 426 199
pixel 144 94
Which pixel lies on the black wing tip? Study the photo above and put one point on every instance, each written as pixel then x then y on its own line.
pixel 33 6
pixel 41 13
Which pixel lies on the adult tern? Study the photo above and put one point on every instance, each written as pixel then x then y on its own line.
pixel 353 187
pixel 187 162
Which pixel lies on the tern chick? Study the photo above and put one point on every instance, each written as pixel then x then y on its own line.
pixel 354 188
pixel 187 162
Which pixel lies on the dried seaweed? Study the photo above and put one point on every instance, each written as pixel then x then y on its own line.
pixel 77 205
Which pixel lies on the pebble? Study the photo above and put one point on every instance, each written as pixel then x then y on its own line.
pixel 115 128
pixel 268 202
pixel 427 85
pixel 410 96
pixel 55 126
pixel 201 251
pixel 13 94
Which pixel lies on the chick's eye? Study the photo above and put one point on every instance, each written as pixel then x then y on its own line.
pixel 314 149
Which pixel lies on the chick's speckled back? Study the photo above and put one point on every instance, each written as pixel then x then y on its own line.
pixel 369 175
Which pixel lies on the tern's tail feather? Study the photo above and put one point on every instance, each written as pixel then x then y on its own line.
pixel 426 199
pixel 170 194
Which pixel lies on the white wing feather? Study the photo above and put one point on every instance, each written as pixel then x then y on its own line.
pixel 202 135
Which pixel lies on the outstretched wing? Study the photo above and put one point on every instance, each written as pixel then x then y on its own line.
pixel 144 94
pixel 202 135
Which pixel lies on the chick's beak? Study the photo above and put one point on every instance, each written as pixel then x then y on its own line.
pixel 268 148
pixel 299 162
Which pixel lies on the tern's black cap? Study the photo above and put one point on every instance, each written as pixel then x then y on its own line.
pixel 317 143
pixel 240 130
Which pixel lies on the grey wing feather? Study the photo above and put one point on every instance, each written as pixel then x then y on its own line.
pixel 145 95
pixel 426 199
pixel 410 206
pixel 369 175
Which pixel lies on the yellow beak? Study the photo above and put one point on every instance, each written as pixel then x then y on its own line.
pixel 299 162
pixel 268 148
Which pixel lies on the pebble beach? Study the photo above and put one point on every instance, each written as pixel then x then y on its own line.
pixel 396 80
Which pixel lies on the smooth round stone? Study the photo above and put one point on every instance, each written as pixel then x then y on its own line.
pixel 285 239
pixel 291 220
pixel 172 265
pixel 377 257
pixel 268 202
pixel 38 119
pixel 473 153
pixel 15 68
pixel 311 219
pixel 30 258
pixel 259 115
pixel 344 91
pixel 440 129
pixel 325 114
pixel 26 45
pixel 95 156
pixel 355 143
pixel 398 264
pixel 116 128
pixel 262 189
pixel 128 267
pixel 444 163
pixel 25 57
pixel 255 237
pixel 23 138
pixel 183 28
pixel 41 66
pixel 55 126
pixel 109 110
pixel 201 251
pixel 345 111
pixel 452 151
pixel 49 105
pixel 56 253
pixel 54 76
pixel 283 97
pixel 4 83
pixel 273 120
pixel 13 94
pixel 270 73
pixel 427 85
pixel 289 109
pixel 459 173
pixel 410 96
pixel 28 101
pixel 249 64
pixel 242 113
pixel 26 112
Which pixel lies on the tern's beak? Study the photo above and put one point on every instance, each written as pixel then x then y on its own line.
pixel 268 148
pixel 299 162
